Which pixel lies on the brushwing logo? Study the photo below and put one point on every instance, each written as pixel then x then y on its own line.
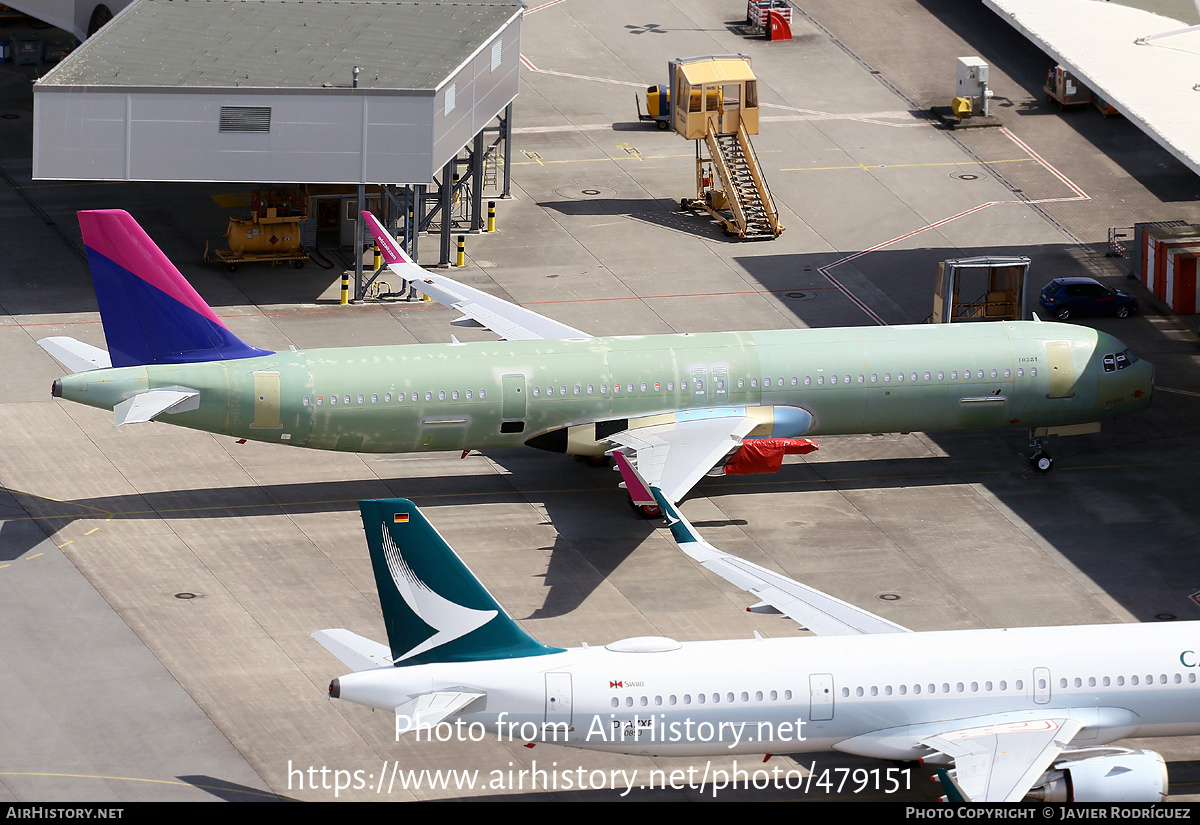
pixel 450 621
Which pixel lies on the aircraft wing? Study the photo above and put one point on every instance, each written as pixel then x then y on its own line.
pixel 673 457
pixel 812 609
pixel 1000 762
pixel 509 321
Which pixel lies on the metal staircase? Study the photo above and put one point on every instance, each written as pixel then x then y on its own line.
pixel 749 199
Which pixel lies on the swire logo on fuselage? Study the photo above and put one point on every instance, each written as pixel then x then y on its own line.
pixel 625 684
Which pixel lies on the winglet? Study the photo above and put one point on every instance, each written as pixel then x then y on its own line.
pixel 434 608
pixel 390 250
pixel 151 314
pixel 953 792
pixel 638 490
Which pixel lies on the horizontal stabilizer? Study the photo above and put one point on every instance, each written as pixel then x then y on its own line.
pixel 428 709
pixel 75 355
pixel 355 652
pixel 146 405
pixel 812 609
pixel 506 319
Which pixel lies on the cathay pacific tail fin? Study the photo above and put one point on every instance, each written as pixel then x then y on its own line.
pixel 150 312
pixel 434 608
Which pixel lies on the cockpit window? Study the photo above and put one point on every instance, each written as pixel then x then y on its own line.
pixel 1125 359
pixel 1110 363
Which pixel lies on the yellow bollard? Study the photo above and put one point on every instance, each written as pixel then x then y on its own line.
pixel 491 216
pixel 345 288
pixel 462 251
pixel 378 263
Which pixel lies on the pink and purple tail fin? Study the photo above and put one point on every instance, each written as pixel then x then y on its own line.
pixel 151 314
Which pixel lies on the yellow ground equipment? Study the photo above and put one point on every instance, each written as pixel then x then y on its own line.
pixel 270 234
pixel 658 106
pixel 715 103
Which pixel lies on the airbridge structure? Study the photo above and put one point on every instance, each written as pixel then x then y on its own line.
pixel 412 98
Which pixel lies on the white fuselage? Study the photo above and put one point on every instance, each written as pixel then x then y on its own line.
pixel 868 695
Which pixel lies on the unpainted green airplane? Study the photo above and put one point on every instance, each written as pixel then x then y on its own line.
pixel 677 406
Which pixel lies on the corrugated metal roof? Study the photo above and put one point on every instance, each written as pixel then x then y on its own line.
pixel 304 44
pixel 1156 85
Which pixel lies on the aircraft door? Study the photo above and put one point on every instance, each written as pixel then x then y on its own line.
pixel 720 385
pixel 700 386
pixel 558 704
pixel 266 401
pixel 1041 685
pixel 513 405
pixel 820 697
pixel 1062 370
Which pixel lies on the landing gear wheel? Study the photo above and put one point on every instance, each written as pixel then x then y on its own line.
pixel 645 511
pixel 594 460
pixel 1041 462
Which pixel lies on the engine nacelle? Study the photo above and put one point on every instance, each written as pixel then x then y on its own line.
pixel 1134 776
pixel 765 455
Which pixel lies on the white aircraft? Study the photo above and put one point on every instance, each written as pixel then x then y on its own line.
pixel 1013 712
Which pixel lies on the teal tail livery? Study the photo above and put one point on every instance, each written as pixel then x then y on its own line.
pixel 434 608
pixel 1007 714
pixel 677 407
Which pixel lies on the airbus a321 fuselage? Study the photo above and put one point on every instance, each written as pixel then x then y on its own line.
pixel 677 404
pixel 1013 711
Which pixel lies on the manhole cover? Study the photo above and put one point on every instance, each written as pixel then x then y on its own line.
pixel 889 597
pixel 582 193
pixel 965 176
pixel 185 596
pixel 800 296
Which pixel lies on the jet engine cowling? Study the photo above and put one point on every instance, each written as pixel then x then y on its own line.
pixel 1133 776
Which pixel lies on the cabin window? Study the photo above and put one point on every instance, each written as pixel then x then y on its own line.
pixel 807 380
pixel 562 390
pixel 616 389
pixel 941 375
pixel 741 383
pixel 753 382
pixel 361 399
pixel 549 390
pixel 454 395
pixel 387 398
pixel 468 395
pixel 953 375
pixel 374 398
pixel 483 393
pixel 1020 372
pixel 643 386
pixel 995 374
pixel 900 377
pixel 642 701
pixel 577 389
pixel 1033 372
pixel 604 389
pixel 720 384
pixel 766 382
pixel 794 381
pixel 306 401
pixel 861 378
pixel 333 399
pixel 537 391
pixel 591 389
pixel 874 378
pixel 616 703
pixel 774 696
pixel 628 701
pixel 887 378
pixel 347 399
pixel 428 395
pixel 1007 372
pixel 928 377
pixel 833 379
pixel 318 400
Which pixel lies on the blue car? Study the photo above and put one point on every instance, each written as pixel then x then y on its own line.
pixel 1066 297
